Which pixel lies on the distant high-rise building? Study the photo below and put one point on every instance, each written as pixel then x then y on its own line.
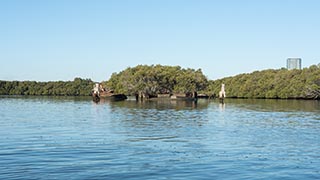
pixel 293 63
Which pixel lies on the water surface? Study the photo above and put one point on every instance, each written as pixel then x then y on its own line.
pixel 75 138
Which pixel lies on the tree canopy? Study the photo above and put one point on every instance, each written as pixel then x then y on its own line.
pixel 77 87
pixel 276 84
pixel 157 79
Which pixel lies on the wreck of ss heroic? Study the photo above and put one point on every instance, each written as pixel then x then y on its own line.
pixel 98 92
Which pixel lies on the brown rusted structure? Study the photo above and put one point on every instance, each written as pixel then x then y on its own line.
pixel 99 92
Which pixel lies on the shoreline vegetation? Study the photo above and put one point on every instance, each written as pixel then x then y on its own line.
pixel 158 79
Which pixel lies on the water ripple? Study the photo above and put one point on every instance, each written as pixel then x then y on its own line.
pixel 49 138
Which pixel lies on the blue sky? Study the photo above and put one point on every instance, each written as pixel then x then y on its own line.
pixel 50 40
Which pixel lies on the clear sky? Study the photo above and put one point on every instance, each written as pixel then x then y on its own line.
pixel 50 40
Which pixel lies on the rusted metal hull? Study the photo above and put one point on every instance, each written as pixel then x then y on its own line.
pixel 183 97
pixel 108 96
pixel 114 97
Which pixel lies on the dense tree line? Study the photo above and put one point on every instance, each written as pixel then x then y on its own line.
pixel 157 79
pixel 273 84
pixel 77 87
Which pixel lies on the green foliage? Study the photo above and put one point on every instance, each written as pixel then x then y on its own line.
pixel 157 79
pixel 77 87
pixel 277 84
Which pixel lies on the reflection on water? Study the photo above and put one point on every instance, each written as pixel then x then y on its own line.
pixel 222 106
pixel 75 138
pixel 277 105
pixel 161 104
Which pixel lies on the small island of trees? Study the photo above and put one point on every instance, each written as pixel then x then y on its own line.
pixel 159 79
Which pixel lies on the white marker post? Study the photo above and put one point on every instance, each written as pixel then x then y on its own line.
pixel 222 94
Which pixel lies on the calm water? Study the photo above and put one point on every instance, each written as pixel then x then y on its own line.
pixel 74 138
